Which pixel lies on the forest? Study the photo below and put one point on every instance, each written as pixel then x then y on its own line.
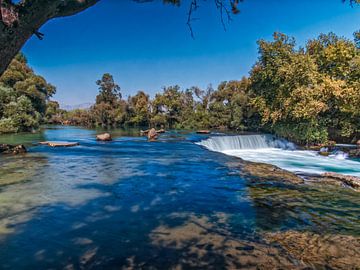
pixel 307 94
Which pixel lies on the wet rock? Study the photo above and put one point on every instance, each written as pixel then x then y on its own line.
pixel 319 251
pixel 59 144
pixel 354 153
pixel 66 123
pixel 105 137
pixel 261 172
pixel 161 131
pixel 349 180
pixel 203 131
pixel 152 135
pixel 12 149
pixel 324 153
pixel 331 143
pixel 146 132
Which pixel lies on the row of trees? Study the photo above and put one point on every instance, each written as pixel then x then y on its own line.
pixel 227 107
pixel 306 94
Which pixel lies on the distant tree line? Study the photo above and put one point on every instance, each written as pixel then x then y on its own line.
pixel 307 94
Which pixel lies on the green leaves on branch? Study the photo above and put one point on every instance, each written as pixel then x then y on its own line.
pixel 308 94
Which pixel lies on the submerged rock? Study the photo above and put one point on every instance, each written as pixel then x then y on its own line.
pixel 105 137
pixel 12 149
pixel 267 172
pixel 59 144
pixel 319 251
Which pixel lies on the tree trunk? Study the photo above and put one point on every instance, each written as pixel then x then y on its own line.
pixel 31 15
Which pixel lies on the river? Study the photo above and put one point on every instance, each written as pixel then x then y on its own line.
pixel 170 204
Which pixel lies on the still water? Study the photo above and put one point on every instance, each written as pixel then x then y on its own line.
pixel 171 204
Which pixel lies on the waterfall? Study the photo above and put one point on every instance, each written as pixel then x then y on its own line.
pixel 242 142
pixel 266 148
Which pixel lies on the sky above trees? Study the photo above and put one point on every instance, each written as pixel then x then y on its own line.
pixel 147 46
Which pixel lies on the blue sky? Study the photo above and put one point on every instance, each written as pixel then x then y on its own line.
pixel 147 46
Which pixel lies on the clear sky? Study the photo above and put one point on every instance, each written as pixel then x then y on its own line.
pixel 147 46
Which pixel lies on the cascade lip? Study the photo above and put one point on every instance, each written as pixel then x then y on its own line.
pixel 260 141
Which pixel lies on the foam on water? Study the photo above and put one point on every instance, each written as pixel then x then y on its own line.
pixel 279 152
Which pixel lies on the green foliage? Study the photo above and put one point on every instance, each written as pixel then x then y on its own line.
pixel 24 81
pixel 139 109
pixel 308 94
pixel 23 97
pixel 17 113
pixel 109 90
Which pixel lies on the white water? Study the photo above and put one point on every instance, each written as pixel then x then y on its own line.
pixel 267 149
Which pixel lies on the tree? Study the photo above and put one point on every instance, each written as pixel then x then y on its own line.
pixel 16 113
pixel 168 105
pixel 309 94
pixel 24 81
pixel 23 97
pixel 139 109
pixel 109 90
pixel 109 110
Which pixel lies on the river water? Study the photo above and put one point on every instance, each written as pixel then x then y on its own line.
pixel 171 204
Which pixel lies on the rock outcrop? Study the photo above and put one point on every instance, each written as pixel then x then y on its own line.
pixel 12 149
pixel 105 137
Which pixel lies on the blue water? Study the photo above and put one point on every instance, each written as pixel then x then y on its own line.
pixel 132 203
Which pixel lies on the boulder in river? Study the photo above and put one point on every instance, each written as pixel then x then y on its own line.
pixel 59 144
pixel 354 153
pixel 12 149
pixel 146 132
pixel 152 135
pixel 105 137
pixel 204 131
